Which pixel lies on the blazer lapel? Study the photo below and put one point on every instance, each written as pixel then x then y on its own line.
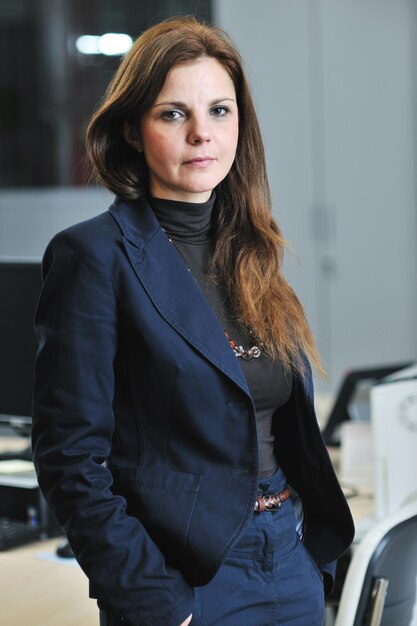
pixel 170 285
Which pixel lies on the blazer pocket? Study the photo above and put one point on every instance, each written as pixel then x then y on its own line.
pixel 163 500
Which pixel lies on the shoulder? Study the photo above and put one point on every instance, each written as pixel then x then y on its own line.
pixel 96 231
pixel 90 242
pixel 100 237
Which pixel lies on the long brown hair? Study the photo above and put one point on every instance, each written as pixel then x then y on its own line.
pixel 249 246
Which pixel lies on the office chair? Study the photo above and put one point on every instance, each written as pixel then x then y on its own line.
pixel 380 586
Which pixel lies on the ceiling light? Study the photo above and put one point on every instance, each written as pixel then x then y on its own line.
pixel 109 44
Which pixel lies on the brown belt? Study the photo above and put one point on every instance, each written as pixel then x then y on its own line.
pixel 271 501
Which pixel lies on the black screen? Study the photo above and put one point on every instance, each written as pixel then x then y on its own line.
pixel 20 284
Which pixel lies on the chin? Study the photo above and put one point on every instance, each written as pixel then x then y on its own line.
pixel 202 187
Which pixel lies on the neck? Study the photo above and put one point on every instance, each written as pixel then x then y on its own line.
pixel 185 221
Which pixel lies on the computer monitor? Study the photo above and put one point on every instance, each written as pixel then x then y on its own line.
pixel 394 433
pixel 20 283
pixel 353 397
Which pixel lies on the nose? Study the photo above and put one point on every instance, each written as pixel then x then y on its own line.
pixel 199 132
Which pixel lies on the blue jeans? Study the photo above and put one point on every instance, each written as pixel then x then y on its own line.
pixel 267 579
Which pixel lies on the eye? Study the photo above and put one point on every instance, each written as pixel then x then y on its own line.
pixel 220 110
pixel 171 114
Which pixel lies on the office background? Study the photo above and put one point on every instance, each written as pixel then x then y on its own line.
pixel 335 83
pixel 336 87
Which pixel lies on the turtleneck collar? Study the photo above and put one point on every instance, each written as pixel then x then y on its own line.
pixel 185 221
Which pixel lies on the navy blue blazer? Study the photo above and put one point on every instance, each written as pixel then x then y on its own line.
pixel 144 433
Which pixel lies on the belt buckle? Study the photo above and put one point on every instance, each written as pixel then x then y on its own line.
pixel 269 502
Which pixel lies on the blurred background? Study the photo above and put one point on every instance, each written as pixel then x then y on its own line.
pixel 335 86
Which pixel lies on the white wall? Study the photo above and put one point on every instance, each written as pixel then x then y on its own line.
pixel 335 86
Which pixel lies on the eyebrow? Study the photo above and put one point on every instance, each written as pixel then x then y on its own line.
pixel 183 105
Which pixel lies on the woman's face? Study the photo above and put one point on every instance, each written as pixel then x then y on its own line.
pixel 189 136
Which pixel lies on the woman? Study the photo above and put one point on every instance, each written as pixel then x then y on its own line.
pixel 173 394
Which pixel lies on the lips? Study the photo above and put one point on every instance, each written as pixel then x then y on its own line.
pixel 200 161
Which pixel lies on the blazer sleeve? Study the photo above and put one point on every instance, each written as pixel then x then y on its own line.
pixel 73 423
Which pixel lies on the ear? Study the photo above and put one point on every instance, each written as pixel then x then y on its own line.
pixel 131 135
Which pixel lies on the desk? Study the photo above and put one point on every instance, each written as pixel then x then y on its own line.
pixel 35 592
pixel 361 503
pixel 39 593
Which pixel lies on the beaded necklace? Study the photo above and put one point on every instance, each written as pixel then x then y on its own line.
pixel 252 353
pixel 245 353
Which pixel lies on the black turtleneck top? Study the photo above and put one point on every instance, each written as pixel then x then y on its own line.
pixel 188 226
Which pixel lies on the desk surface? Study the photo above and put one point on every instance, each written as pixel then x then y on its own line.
pixel 41 593
pixel 38 592
pixel 360 500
